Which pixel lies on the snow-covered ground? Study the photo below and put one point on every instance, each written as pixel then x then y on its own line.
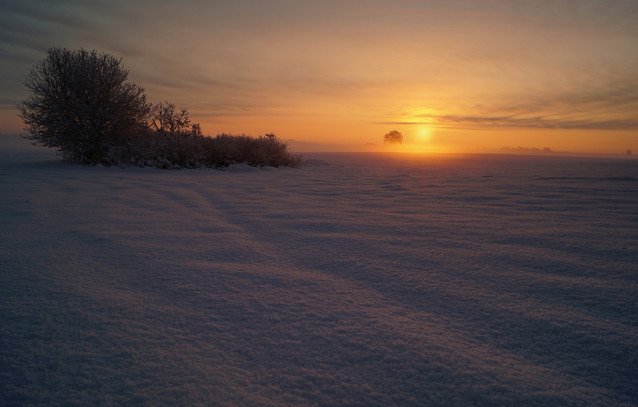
pixel 357 279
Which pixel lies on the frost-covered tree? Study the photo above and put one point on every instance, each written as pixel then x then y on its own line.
pixel 82 104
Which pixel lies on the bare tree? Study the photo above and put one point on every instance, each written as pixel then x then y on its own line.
pixel 81 104
pixel 166 119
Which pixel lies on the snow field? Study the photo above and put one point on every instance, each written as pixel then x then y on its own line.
pixel 357 279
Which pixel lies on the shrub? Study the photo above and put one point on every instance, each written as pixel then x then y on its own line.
pixel 185 150
pixel 82 105
pixel 258 152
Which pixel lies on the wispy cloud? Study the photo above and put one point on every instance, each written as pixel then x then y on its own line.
pixel 594 103
pixel 459 121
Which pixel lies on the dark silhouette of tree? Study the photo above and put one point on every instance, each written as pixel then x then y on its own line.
pixel 393 137
pixel 82 105
pixel 168 120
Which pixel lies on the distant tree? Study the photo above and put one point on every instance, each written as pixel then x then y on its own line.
pixel 81 104
pixel 628 152
pixel 393 137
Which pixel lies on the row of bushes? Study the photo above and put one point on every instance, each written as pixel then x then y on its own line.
pixel 184 150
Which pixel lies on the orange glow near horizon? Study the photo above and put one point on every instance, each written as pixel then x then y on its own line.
pixel 358 122
pixel 322 133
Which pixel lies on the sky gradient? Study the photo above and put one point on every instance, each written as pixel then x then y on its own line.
pixel 332 75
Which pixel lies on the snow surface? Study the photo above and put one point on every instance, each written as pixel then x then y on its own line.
pixel 357 279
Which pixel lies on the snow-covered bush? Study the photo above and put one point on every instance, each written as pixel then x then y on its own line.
pixel 186 150
pixel 259 152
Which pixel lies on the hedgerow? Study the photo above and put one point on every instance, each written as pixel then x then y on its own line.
pixel 183 150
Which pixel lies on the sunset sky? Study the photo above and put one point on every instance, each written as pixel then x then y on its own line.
pixel 453 75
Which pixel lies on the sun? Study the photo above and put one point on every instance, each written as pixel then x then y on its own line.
pixel 418 140
pixel 423 133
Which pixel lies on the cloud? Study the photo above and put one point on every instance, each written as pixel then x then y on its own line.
pixel 532 122
pixel 538 122
pixel 609 102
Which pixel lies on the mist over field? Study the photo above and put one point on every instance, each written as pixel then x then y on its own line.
pixel 356 279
